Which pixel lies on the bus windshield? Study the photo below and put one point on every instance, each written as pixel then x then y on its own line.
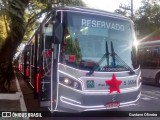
pixel 85 37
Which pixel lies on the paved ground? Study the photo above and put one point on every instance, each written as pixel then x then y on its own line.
pixel 7 103
pixel 31 103
pixel 11 101
pixel 28 94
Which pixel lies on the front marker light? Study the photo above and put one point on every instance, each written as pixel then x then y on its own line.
pixel 75 85
pixel 140 78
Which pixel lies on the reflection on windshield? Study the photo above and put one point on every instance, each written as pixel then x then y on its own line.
pixel 85 46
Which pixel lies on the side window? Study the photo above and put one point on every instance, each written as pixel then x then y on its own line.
pixel 47 55
pixel 149 57
pixel 47 50
pixel 146 58
pixel 29 54
pixel 142 57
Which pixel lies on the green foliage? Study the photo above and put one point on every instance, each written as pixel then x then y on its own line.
pixel 34 11
pixel 148 18
pixel 72 48
pixel 3 31
pixel 78 51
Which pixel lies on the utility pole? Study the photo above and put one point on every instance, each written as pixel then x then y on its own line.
pixel 125 7
pixel 132 9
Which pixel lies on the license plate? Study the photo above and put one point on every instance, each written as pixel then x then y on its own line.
pixel 130 82
pixel 112 105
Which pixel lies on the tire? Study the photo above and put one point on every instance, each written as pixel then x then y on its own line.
pixel 158 79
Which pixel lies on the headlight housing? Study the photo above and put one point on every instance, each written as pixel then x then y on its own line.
pixel 71 83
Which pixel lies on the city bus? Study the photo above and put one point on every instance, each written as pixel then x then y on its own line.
pixel 83 59
pixel 149 59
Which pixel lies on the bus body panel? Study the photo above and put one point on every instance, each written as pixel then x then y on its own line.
pixel 72 101
pixel 148 73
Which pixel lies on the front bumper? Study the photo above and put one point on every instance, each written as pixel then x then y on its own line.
pixel 70 100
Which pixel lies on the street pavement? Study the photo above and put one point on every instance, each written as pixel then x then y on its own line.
pixel 12 101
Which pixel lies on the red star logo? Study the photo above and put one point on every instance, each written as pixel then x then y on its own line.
pixel 114 84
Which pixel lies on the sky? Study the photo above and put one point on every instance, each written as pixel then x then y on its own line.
pixel 111 5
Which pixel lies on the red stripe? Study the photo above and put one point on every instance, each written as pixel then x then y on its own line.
pixel 38 77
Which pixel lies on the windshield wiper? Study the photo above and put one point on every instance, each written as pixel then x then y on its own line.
pixel 106 55
pixel 119 60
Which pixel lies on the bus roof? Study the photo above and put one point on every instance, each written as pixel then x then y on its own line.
pixel 82 9
pixel 90 10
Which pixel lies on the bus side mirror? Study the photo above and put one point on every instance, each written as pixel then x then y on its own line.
pixel 58 32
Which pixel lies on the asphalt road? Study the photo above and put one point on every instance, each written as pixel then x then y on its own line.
pixel 149 101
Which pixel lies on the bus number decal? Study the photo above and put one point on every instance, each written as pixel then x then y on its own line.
pixel 124 82
pixel 129 82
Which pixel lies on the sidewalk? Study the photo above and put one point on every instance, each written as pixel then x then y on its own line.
pixel 13 101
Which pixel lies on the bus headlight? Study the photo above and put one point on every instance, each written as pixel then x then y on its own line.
pixel 67 81
pixel 71 83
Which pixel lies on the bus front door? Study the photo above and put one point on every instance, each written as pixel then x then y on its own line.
pixel 48 81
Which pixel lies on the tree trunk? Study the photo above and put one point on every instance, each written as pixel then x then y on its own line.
pixel 15 11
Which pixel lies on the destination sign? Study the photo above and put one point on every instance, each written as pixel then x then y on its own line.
pixel 102 24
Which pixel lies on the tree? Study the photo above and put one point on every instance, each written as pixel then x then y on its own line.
pixel 22 14
pixel 15 10
pixel 148 19
pixel 3 31
pixel 3 26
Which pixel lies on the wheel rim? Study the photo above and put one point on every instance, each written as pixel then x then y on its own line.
pixel 159 81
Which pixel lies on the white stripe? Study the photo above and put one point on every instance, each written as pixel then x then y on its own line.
pixel 62 97
pixel 156 91
pixel 31 85
pixel 9 96
pixel 146 98
pixel 152 93
pixel 101 106
pixel 104 13
pixel 149 96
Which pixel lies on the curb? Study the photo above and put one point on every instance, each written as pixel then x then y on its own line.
pixel 21 98
pixel 12 96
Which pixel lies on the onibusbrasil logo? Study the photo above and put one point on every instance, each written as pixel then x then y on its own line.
pixel 21 114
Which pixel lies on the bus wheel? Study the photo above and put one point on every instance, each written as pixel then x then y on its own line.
pixel 158 79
